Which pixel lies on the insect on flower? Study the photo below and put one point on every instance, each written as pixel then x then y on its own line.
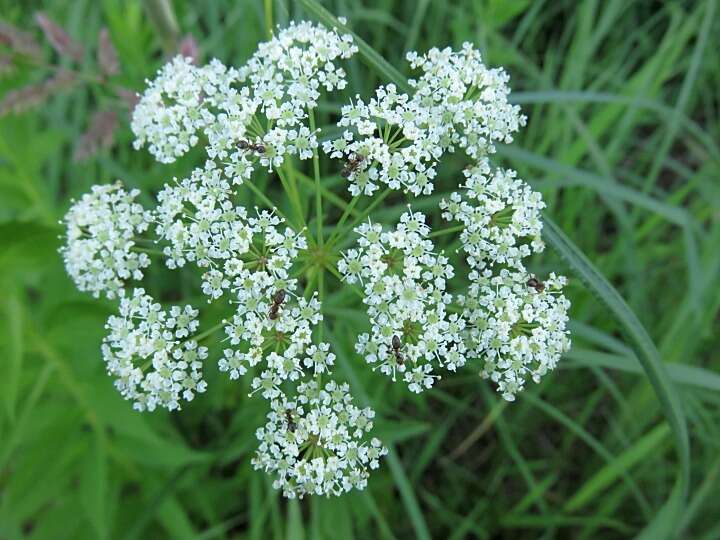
pixel 354 162
pixel 291 425
pixel 258 148
pixel 536 284
pixel 396 346
pixel 277 301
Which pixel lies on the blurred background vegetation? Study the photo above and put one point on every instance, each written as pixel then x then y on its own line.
pixel 622 140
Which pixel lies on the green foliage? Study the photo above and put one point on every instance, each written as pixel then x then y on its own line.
pixel 622 441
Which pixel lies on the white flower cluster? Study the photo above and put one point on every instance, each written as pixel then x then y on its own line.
pixel 256 113
pixel 404 284
pixel 501 215
pixel 170 111
pixel 150 352
pixel 102 231
pixel 286 75
pixel 199 220
pixel 516 325
pixel 397 139
pixel 316 442
pixel 260 113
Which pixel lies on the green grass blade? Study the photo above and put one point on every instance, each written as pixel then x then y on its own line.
pixel 644 347
pixel 692 376
pixel 605 186
pixel 588 439
pixel 617 468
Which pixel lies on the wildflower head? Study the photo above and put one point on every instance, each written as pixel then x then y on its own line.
pixel 516 326
pixel 316 442
pixel 151 354
pixel 103 229
pixel 404 286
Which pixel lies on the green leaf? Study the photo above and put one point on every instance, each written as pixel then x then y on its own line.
pixel 295 529
pixel 12 347
pixel 684 374
pixel 605 186
pixel 25 246
pixel 646 351
pixel 617 468
pixel 94 487
pixel 394 432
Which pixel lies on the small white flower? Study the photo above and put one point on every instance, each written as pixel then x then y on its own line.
pixel 148 353
pixel 397 139
pixel 103 229
pixel 501 215
pixel 170 111
pixel 517 327
pixel 316 443
pixel 404 284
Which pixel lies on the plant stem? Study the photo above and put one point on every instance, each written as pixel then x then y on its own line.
pixel 330 268
pixel 147 250
pixel 449 230
pixel 343 218
pixel 380 198
pixel 321 291
pixel 318 189
pixel 269 18
pixel 162 16
pixel 210 331
pixel 328 195
pixel 292 193
pixel 264 198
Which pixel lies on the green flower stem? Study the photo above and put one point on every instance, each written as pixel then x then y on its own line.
pixel 321 296
pixel 288 183
pixel 329 196
pixel 149 251
pixel 310 282
pixel 348 211
pixel 449 230
pixel 264 198
pixel 268 4
pixel 210 331
pixel 330 268
pixel 162 17
pixel 377 202
pixel 318 189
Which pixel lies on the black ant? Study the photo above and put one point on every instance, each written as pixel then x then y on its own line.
pixel 396 346
pixel 277 301
pixel 255 147
pixel 292 426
